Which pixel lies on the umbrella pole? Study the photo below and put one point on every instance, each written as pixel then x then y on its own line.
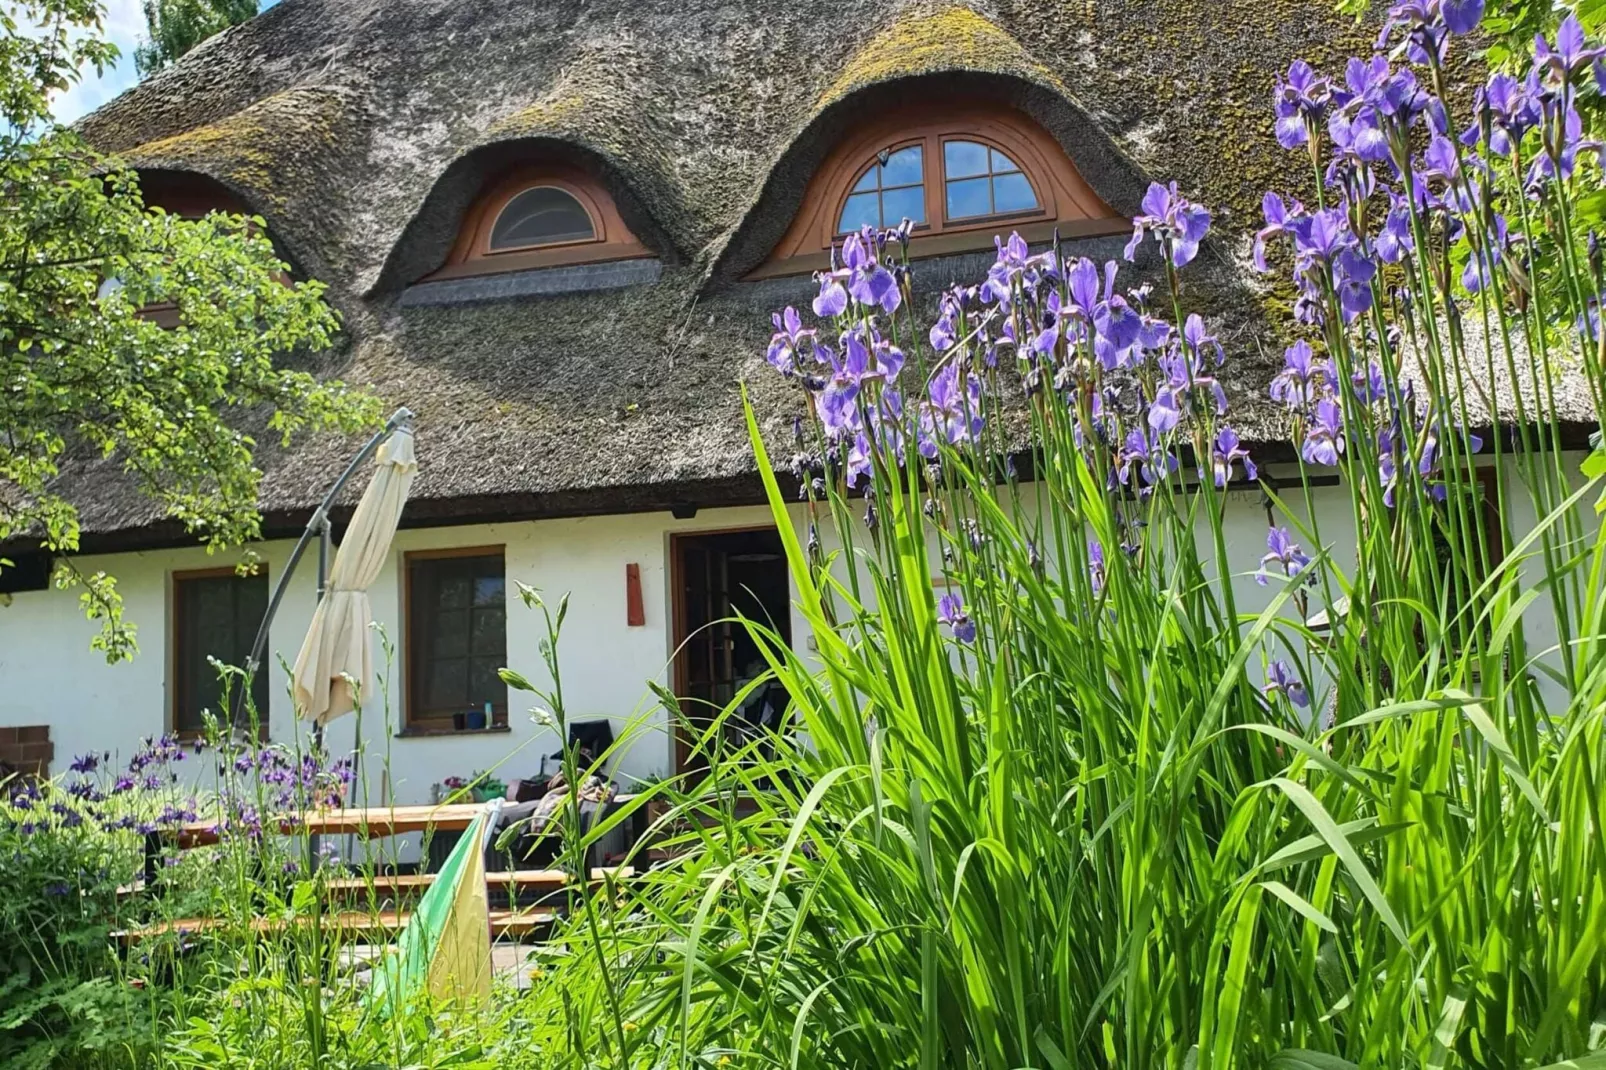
pixel 324 535
pixel 319 525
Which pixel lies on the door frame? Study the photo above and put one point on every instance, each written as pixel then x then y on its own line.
pixel 677 619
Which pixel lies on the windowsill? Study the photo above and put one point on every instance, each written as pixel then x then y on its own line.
pixel 429 731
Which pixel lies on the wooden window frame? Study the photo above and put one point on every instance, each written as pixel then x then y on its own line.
pixel 415 723
pixel 188 196
pixel 472 254
pixel 1064 199
pixel 177 692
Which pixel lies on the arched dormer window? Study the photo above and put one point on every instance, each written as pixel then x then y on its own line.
pixel 536 217
pixel 962 174
pixel 188 196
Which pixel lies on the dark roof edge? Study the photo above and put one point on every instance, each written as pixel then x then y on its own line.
pixel 522 506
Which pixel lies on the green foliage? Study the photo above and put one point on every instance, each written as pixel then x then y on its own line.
pixel 89 375
pixel 176 26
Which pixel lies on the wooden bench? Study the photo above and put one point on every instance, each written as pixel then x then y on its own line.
pixel 383 923
pixel 368 823
pixel 518 881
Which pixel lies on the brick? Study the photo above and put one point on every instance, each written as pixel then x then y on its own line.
pixel 38 733
pixel 7 736
pixel 35 752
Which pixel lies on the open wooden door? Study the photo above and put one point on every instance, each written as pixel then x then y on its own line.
pixel 714 576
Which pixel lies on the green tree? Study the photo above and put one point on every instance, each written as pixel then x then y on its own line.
pixel 86 376
pixel 176 26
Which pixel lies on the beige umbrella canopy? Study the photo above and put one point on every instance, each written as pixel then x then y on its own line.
pixel 337 645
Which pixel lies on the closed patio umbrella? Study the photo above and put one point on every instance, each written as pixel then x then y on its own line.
pixel 337 644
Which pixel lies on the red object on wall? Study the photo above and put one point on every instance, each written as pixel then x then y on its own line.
pixel 635 611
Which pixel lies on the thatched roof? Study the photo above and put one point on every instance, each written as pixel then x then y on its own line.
pixel 361 130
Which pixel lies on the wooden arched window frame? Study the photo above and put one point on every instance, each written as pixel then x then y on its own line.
pixel 188 196
pixel 1063 199
pixel 610 238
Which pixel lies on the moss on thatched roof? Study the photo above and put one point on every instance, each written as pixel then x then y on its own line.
pixel 361 129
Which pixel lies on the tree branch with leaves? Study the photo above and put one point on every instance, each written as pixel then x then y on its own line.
pixel 87 375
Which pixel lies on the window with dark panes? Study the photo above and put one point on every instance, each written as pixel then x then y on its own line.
pixel 456 636
pixel 215 616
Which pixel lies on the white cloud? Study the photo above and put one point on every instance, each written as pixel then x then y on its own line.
pixel 125 24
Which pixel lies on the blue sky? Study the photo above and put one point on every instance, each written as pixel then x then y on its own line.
pixel 125 25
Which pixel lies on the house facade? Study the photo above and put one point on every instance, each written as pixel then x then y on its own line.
pixel 556 234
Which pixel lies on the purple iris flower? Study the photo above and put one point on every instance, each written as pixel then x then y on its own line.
pixel 1082 284
pixel 1166 411
pixel 1173 219
pixel 1227 450
pixel 955 413
pixel 1303 378
pixel 1570 56
pixel 1321 236
pixel 1280 219
pixel 1152 463
pixel 85 763
pixel 787 342
pixel 1563 142
pixel 868 282
pixel 1186 380
pixel 1118 327
pixel 832 299
pixel 1479 272
pixel 1359 135
pixel 1280 679
pixel 1354 283
pixel 1097 574
pixel 1395 241
pixel 859 463
pixel 1284 553
pixel 1428 24
pixel 1301 100
pixel 1324 441
pixel 1513 109
pixel 944 333
pixel 837 406
pixel 1370 386
pixel 951 611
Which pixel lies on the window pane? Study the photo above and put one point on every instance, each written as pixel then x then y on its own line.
pixel 448 634
pixel 900 204
pixel 453 587
pixel 1002 163
pixel 215 617
pixel 446 687
pixel 964 158
pixel 484 685
pixel 1012 193
pixel 540 216
pixel 968 198
pixel 861 208
pixel 902 167
pixel 490 590
pixel 457 633
pixel 869 181
pixel 489 633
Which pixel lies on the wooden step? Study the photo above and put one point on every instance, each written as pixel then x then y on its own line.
pixel 514 923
